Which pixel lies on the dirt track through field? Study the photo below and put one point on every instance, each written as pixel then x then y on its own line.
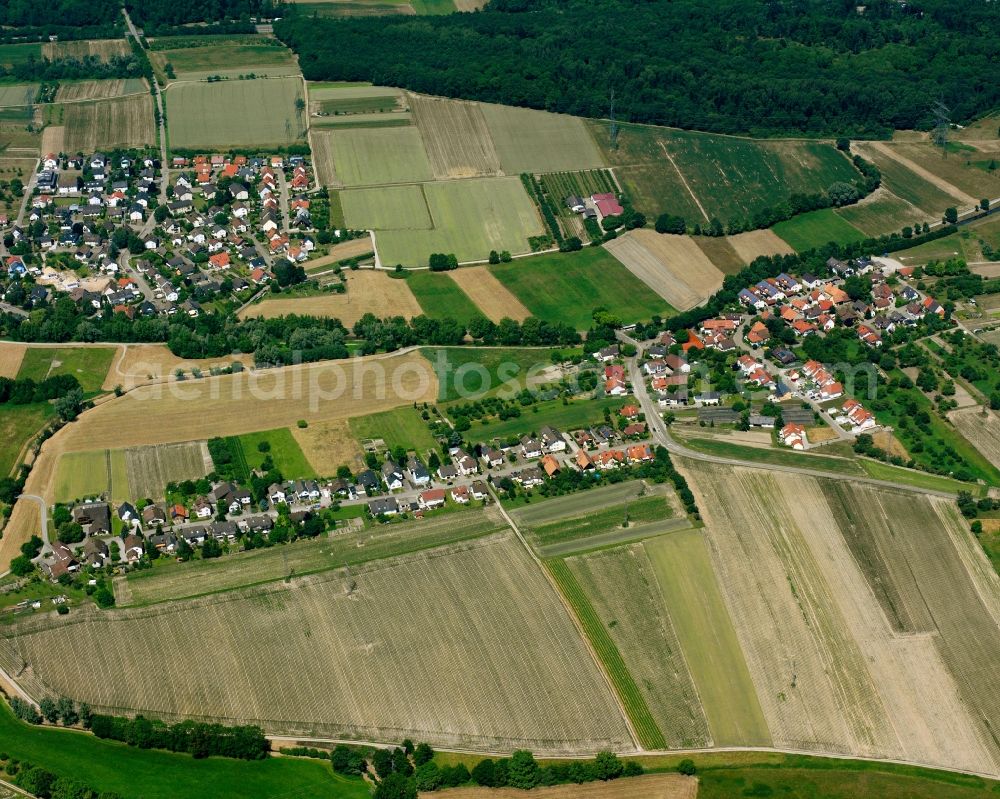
pixel 680 174
pixel 139 364
pixel 492 297
pixel 11 355
pixel 672 266
pixel 755 243
pixel 930 177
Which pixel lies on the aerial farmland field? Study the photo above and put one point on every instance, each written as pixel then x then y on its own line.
pixel 70 91
pixel 961 166
pixel 228 113
pixel 883 213
pixel 903 182
pixel 491 296
pixel 224 56
pixel 401 427
pixel 89 365
pixel 18 94
pixel 120 122
pixel 84 475
pixel 375 157
pixel 104 49
pixel 151 468
pixel 456 137
pixel 501 614
pixel 441 297
pixel 537 141
pixel 470 218
pixel 816 228
pixel 13 54
pixel 567 287
pixel 387 208
pixel 754 243
pixel 18 423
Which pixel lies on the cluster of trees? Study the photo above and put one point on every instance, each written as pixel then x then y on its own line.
pixel 91 67
pixel 24 391
pixel 46 784
pixel 193 737
pixel 735 66
pixel 66 13
pixel 157 14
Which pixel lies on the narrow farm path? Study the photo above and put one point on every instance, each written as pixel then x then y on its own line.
pixel 680 174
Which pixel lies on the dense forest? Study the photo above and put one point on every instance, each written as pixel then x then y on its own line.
pixel 180 12
pixel 731 66
pixel 65 13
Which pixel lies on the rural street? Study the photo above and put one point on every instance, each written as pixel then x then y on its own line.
pixel 29 189
pixel 46 546
pixel 658 428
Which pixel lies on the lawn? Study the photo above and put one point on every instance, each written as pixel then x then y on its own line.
pixel 150 774
pixel 469 373
pixel 401 427
pixel 469 219
pixel 816 228
pixel 576 414
pixel 778 457
pixel 17 424
pixel 228 114
pixel 708 639
pixel 89 365
pixel 441 297
pixel 567 287
pixel 285 452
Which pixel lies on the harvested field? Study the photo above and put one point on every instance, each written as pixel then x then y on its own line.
pixel 441 297
pixel 886 441
pixel 672 266
pixel 518 677
pixel 227 113
pixel 329 445
pixel 100 89
pixel 376 156
pixel 982 431
pixel 833 616
pixel 103 49
pixel 138 364
pixel 322 150
pixel 721 253
pixel 456 137
pixel 11 355
pixel 255 400
pixel 493 298
pixel 622 588
pixel 151 468
pixel 18 94
pixel 106 124
pixel 54 139
pixel 883 212
pixel 538 141
pixel 648 786
pixel 387 208
pixel 368 291
pixel 755 243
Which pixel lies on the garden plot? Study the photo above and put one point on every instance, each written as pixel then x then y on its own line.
pixel 518 674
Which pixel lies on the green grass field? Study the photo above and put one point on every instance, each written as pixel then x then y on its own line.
pixel 567 287
pixel 89 365
pixel 624 684
pixel 472 372
pixel 691 593
pixel 226 57
pixel 537 141
pixel 400 427
pixel 578 413
pixel 17 424
pixel 87 474
pixel 909 186
pixel 885 215
pixel 285 452
pixel 730 176
pixel 441 297
pixel 230 114
pixel 14 54
pixel 17 94
pixel 148 774
pixel 961 166
pixel 886 471
pixel 386 208
pixel 377 157
pixel 470 218
pixel 778 457
pixel 640 511
pixel 816 228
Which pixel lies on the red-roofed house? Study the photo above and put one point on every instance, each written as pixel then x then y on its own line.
pixel 607 204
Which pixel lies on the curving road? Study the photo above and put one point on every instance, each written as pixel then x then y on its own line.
pixel 46 546
pixel 658 429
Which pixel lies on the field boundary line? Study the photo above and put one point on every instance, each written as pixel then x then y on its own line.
pixel 572 615
pixel 680 174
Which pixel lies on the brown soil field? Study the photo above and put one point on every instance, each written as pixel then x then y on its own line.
pixel 885 440
pixel 721 253
pixel 820 433
pixel 988 270
pixel 672 266
pixel 469 5
pixel 456 138
pixel 11 355
pixel 329 445
pixel 755 243
pixel 338 252
pixel 648 786
pixel 494 299
pixel 106 124
pixel 54 139
pixel 139 364
pixel 91 90
pixel 103 48
pixel 368 291
pixel 982 431
pixel 830 561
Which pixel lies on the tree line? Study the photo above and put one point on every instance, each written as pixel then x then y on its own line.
pixel 25 391
pixel 59 13
pixel 158 14
pixel 733 66
pixel 91 67
pixel 196 738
